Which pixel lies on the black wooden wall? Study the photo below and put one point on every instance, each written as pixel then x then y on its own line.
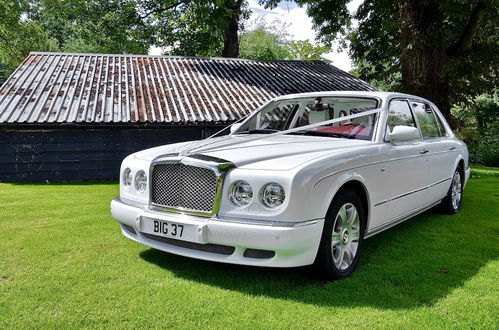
pixel 38 155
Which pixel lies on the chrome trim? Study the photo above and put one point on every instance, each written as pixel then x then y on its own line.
pixel 411 192
pixel 439 182
pixel 382 202
pixel 399 219
pixel 220 170
pixel 408 193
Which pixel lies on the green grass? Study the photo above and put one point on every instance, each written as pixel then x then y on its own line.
pixel 64 263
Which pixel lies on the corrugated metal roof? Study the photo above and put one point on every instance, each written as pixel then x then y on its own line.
pixel 91 88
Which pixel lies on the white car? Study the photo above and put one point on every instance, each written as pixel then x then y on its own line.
pixel 303 180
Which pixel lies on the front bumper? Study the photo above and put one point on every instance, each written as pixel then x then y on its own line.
pixel 226 240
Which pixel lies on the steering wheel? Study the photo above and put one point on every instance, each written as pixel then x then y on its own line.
pixel 353 124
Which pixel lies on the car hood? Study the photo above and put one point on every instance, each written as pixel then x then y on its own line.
pixel 279 152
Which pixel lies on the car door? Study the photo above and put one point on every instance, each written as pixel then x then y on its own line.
pixel 440 150
pixel 408 166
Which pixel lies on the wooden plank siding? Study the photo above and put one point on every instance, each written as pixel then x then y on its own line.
pixel 36 155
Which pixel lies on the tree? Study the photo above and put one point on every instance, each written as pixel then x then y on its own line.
pixel 477 123
pixel 304 50
pixel 98 26
pixel 442 50
pixel 263 45
pixel 18 37
pixel 266 41
pixel 197 27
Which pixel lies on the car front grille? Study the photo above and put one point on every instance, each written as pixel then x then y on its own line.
pixel 184 187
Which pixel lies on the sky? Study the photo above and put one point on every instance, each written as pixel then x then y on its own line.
pixel 299 27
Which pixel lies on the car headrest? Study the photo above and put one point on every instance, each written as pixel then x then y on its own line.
pixel 317 116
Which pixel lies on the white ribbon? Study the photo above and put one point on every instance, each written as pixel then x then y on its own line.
pixel 291 130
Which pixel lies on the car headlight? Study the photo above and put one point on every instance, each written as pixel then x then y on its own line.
pixel 140 181
pixel 240 193
pixel 127 178
pixel 272 195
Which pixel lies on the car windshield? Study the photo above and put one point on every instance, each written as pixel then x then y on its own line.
pixel 287 114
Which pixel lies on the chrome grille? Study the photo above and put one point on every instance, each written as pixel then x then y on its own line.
pixel 186 187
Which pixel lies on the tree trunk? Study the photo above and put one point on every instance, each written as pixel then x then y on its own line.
pixel 231 39
pixel 423 54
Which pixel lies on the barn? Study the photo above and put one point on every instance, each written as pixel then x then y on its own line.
pixel 70 117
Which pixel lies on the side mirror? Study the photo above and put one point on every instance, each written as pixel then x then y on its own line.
pixel 403 133
pixel 235 127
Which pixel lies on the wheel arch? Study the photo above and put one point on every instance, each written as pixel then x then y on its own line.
pixel 355 183
pixel 459 162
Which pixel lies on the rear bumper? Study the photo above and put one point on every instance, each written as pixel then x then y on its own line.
pixel 227 240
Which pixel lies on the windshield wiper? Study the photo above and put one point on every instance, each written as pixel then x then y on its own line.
pixel 259 131
pixel 319 133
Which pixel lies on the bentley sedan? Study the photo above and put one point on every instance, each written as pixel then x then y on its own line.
pixel 303 180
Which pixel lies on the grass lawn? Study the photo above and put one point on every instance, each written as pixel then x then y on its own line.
pixel 64 263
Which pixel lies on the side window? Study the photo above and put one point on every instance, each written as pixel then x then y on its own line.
pixel 399 113
pixel 440 125
pixel 426 119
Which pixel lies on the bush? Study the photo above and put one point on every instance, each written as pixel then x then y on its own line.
pixel 478 125
pixel 486 150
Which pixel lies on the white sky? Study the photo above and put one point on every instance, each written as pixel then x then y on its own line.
pixel 299 27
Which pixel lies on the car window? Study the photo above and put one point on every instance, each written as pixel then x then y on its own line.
pixel 426 119
pixel 284 114
pixel 274 117
pixel 440 125
pixel 399 113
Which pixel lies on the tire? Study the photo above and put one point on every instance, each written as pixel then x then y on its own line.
pixel 451 204
pixel 341 242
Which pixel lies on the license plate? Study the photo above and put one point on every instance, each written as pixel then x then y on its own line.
pixel 170 229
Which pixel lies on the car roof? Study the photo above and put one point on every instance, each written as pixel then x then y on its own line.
pixel 381 95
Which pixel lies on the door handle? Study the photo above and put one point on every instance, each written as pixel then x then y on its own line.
pixel 452 148
pixel 424 151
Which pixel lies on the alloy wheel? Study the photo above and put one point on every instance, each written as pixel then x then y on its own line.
pixel 456 190
pixel 345 236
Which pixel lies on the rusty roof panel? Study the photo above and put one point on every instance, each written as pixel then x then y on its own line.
pixel 97 88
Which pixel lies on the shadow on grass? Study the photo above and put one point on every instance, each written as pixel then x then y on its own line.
pixel 412 265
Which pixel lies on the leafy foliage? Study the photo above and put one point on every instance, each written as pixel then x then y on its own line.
pixel 442 50
pixel 262 45
pixel 266 41
pixel 111 26
pixel 18 37
pixel 477 122
pixel 195 27
pixel 304 50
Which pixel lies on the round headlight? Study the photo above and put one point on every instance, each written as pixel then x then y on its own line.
pixel 240 193
pixel 127 178
pixel 273 195
pixel 140 181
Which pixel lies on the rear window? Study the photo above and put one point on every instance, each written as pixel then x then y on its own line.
pixel 426 118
